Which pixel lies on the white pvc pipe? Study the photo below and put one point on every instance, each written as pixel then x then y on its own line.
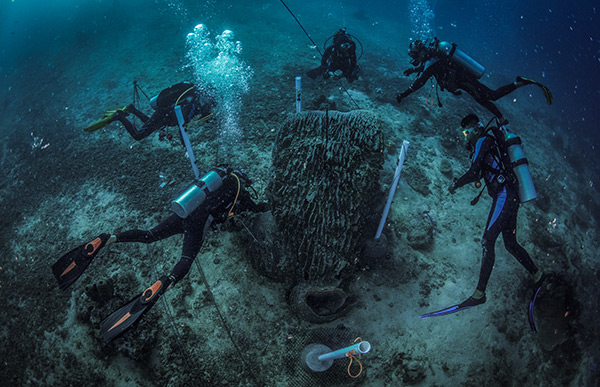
pixel 358 348
pixel 386 210
pixel 186 140
pixel 298 94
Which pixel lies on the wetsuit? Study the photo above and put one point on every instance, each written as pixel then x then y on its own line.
pixel 335 58
pixel 193 102
pixel 503 215
pixel 215 208
pixel 452 77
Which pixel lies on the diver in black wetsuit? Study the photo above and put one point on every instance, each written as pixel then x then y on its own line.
pixel 193 102
pixel 503 189
pixel 224 195
pixel 341 55
pixel 230 198
pixel 451 76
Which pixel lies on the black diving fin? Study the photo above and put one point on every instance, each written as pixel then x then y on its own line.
pixel 72 265
pixel 547 92
pixel 468 303
pixel 124 318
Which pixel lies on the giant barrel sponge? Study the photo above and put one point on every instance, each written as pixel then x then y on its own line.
pixel 325 175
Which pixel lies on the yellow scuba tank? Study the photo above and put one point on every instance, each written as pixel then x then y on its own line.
pixel 519 165
pixel 464 60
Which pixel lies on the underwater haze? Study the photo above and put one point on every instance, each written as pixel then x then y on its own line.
pixel 243 316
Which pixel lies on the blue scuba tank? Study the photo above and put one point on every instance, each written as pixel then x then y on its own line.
pixel 519 165
pixel 196 193
pixel 458 56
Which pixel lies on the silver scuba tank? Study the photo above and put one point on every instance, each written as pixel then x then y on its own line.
pixel 465 61
pixel 196 193
pixel 153 102
pixel 520 165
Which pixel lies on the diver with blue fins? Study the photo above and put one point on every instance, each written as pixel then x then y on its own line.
pixel 497 158
pixel 454 71
pixel 214 198
pixel 196 104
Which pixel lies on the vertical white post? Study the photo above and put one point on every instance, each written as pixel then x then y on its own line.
pixel 186 140
pixel 298 94
pixel 386 210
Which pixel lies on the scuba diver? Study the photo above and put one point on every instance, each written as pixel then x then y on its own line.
pixel 215 197
pixel 193 102
pixel 488 162
pixel 455 71
pixel 340 57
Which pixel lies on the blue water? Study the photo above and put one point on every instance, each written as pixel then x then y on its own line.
pixel 555 42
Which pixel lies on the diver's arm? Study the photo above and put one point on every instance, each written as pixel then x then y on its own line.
pixel 417 84
pixel 353 55
pixel 474 173
pixel 326 56
pixel 245 203
pixel 413 70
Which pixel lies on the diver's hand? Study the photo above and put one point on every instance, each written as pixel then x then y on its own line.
pixel 407 72
pixel 452 188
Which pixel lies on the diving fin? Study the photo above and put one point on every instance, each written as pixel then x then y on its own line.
pixel 530 310
pixel 315 73
pixel 124 318
pixel 468 303
pixel 72 265
pixel 109 116
pixel 547 92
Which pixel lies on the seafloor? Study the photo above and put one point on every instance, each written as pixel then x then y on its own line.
pixel 62 186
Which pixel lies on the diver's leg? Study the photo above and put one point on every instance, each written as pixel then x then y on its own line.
pixel 484 96
pixel 193 237
pixel 509 235
pixel 168 227
pixel 150 124
pixel 131 109
pixel 492 231
pixel 494 95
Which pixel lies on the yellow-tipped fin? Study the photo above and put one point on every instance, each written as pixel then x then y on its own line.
pixel 109 116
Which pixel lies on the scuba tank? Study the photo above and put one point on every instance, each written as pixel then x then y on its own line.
pixel 458 56
pixel 153 102
pixel 196 193
pixel 518 164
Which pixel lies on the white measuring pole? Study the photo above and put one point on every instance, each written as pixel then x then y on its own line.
pixel 186 140
pixel 298 94
pixel 386 210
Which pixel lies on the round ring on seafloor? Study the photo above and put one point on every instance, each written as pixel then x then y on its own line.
pixel 310 358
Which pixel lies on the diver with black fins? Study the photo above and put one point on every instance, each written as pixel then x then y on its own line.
pixel 498 159
pixel 339 59
pixel 193 102
pixel 214 198
pixel 454 71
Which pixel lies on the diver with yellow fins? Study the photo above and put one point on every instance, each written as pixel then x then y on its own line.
pixel 193 101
